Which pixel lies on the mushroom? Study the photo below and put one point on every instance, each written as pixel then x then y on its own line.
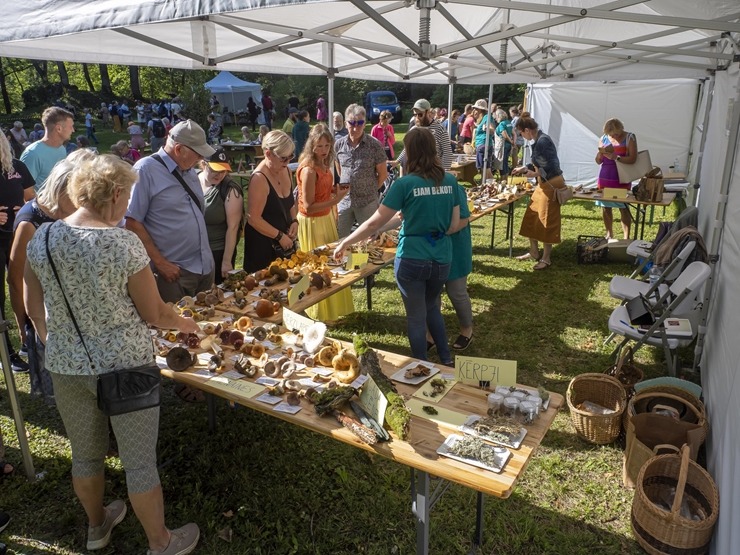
pixel 179 359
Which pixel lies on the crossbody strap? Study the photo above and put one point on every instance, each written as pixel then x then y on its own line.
pixel 69 308
pixel 177 176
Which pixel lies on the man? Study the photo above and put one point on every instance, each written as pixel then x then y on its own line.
pixel 362 162
pixel 41 156
pixel 291 121
pixel 300 132
pixel 424 117
pixel 267 108
pixel 166 212
pixel 338 125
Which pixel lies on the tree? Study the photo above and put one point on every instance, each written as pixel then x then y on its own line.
pixel 133 73
pixel 4 89
pixel 105 87
pixel 88 79
pixel 63 75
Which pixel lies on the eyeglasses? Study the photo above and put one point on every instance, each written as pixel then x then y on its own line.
pixel 283 159
pixel 358 123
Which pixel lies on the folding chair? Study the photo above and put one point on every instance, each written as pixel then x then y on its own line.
pixel 684 295
pixel 645 249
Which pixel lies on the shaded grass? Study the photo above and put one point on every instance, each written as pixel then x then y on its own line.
pixel 284 490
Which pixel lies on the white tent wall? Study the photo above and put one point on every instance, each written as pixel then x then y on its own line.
pixel 660 113
pixel 720 366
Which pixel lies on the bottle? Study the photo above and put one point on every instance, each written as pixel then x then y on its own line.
pixel 654 274
pixel 676 166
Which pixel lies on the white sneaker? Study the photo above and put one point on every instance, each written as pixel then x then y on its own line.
pixel 182 541
pixel 99 536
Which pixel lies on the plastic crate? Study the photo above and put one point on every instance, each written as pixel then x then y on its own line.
pixel 591 249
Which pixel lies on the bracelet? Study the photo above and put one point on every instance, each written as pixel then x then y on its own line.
pixel 294 221
pixel 279 236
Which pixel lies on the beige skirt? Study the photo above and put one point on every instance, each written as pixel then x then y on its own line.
pixel 541 221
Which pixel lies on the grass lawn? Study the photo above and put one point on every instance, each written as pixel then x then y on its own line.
pixel 273 488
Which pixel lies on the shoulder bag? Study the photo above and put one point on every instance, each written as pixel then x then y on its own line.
pixel 121 391
pixel 562 194
pixel 632 172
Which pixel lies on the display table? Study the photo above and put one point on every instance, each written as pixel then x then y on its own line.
pixel 507 205
pixel 466 170
pixel 639 206
pixel 253 151
pixel 418 452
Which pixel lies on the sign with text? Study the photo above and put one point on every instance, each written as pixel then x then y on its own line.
pixel 356 260
pixel 472 370
pixel 298 290
pixel 373 400
pixel 294 321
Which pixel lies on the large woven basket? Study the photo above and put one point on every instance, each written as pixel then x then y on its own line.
pixel 694 410
pixel 604 391
pixel 667 529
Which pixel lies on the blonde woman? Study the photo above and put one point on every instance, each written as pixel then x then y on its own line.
pixel 317 223
pixel 272 227
pixel 106 277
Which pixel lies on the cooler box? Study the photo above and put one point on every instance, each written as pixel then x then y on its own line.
pixel 618 251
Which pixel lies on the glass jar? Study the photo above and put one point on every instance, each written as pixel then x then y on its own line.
pixel 521 395
pixel 494 403
pixel 537 400
pixel 510 406
pixel 529 412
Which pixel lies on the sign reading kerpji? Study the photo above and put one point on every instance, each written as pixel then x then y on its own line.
pixel 472 370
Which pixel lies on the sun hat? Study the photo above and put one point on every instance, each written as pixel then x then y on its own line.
pixel 191 134
pixel 480 104
pixel 422 105
pixel 219 162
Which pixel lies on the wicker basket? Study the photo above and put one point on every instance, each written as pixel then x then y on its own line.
pixel 604 391
pixel 626 372
pixel 646 398
pixel 669 531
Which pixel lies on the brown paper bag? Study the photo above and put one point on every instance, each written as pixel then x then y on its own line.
pixel 646 431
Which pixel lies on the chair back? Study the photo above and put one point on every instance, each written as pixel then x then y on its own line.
pixel 691 281
pixel 677 266
pixel 689 216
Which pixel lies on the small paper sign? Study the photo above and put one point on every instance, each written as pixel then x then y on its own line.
pixel 285 407
pixel 297 292
pixel 356 261
pixel 239 388
pixel 472 370
pixel 374 400
pixel 294 321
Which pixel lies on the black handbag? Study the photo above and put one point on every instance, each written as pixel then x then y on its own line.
pixel 124 390
pixel 640 311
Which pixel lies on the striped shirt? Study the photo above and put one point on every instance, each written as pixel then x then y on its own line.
pixel 444 147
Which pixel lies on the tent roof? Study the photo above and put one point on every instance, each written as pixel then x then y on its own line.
pixel 226 82
pixel 462 41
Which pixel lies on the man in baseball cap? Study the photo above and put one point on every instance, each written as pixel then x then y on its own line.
pixel 191 135
pixel 425 118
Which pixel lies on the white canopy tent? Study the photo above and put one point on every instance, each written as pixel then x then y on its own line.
pixel 480 42
pixel 234 93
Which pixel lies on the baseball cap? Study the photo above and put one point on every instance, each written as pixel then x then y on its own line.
pixel 219 162
pixel 422 105
pixel 191 134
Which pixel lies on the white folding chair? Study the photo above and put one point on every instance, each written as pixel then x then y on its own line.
pixel 684 295
pixel 645 249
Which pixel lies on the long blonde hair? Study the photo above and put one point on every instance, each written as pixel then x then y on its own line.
pixel 308 157
pixel 6 155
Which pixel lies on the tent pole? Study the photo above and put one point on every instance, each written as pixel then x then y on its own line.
pixel 719 222
pixel 708 93
pixel 450 93
pixel 331 70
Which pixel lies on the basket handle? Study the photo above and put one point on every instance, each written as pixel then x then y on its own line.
pixel 623 359
pixel 646 394
pixel 667 446
pixel 682 476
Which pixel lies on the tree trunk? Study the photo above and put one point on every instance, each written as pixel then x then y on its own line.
pixel 86 72
pixel 63 75
pixel 42 69
pixel 105 87
pixel 4 89
pixel 133 72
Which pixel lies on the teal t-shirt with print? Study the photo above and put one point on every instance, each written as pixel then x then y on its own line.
pixel 504 124
pixel 462 242
pixel 427 212
pixel 480 132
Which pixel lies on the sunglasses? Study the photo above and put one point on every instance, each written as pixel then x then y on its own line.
pixel 358 123
pixel 283 159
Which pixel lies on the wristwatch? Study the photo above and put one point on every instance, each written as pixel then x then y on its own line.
pixel 279 236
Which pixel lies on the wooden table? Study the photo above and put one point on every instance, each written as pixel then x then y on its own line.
pixel 340 282
pixel 253 151
pixel 639 206
pixel 466 170
pixel 508 205
pixel 418 452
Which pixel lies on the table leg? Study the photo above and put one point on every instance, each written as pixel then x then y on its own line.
pixel 369 282
pixel 510 227
pixel 211 405
pixel 493 227
pixel 420 508
pixel 478 537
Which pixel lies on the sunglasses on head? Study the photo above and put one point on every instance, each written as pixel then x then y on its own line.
pixel 283 159
pixel 358 123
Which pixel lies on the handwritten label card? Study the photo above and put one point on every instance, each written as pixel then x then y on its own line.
pixel 472 370
pixel 298 291
pixel 374 400
pixel 294 321
pixel 356 261
pixel 240 388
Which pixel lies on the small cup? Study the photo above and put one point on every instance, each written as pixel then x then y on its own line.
pixel 537 401
pixel 529 412
pixel 521 395
pixel 510 407
pixel 494 403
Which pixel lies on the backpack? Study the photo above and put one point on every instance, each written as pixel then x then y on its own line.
pixel 158 129
pixel 223 191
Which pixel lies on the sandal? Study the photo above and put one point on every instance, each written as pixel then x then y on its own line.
pixel 542 265
pixel 189 394
pixel 462 342
pixel 4 472
pixel 528 256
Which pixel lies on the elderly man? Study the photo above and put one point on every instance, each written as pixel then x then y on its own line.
pixel 40 157
pixel 424 117
pixel 166 212
pixel 363 169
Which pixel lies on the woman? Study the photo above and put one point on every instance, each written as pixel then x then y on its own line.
pixel 223 214
pixel 480 113
pixel 317 224
pixel 137 136
pixel 321 113
pixel 452 122
pixel 264 130
pixel 541 221
pixel 615 144
pixel 215 130
pixel 16 188
pixel 383 132
pixel 51 204
pixel 467 126
pixel 503 142
pixel 104 114
pixel 431 211
pixel 19 134
pixel 125 152
pixel 271 218
pixel 518 145
pixel 105 274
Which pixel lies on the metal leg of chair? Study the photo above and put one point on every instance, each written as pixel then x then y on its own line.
pixel 610 338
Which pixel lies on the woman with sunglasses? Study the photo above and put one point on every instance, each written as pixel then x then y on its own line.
pixel 272 226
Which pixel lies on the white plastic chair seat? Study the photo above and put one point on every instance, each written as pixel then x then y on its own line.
pixel 619 324
pixel 624 288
